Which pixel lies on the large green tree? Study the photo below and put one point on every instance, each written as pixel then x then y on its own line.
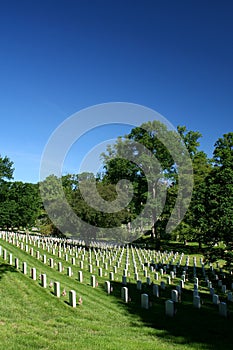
pixel 154 158
pixel 73 206
pixel 19 205
pixel 6 169
pixel 212 208
pixel 200 168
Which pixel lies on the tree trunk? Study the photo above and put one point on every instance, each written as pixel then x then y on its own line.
pixel 199 245
pixel 153 216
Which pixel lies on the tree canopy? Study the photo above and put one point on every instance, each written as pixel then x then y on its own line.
pixel 145 186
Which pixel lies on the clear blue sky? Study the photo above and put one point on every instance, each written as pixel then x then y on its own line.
pixel 60 56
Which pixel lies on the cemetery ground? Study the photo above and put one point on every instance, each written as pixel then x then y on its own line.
pixel 33 317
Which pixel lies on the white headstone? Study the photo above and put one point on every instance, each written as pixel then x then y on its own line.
pixel 139 285
pixel 124 280
pixel 107 286
pixel 224 288
pixel 145 301
pixel 229 296
pixel 197 302
pixel 216 299
pixel 80 276
pixel 169 308
pixel 174 295
pixel 223 309
pixel 124 294
pixel 33 273
pixel 196 281
pixel 57 290
pixel 220 283
pixel 178 288
pixel 4 254
pixel 72 298
pixel 211 291
pixel 162 285
pixel 16 263
pixel 93 281
pixel 44 280
pixel 59 266
pixel 181 283
pixel 156 290
pixel 24 268
pixel 51 262
pixel 69 271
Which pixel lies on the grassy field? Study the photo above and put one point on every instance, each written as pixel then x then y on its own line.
pixel 31 317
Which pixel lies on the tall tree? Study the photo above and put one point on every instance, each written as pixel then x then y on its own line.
pixel 199 164
pixel 19 205
pixel 152 157
pixel 212 208
pixel 6 168
pixel 219 192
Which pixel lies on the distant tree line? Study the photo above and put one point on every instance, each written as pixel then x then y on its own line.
pixel 143 158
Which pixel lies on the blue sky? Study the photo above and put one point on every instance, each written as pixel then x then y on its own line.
pixel 60 56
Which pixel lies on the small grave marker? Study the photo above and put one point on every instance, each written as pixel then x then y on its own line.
pixel 145 301
pixel 72 298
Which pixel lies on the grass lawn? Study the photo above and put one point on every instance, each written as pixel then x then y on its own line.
pixel 31 317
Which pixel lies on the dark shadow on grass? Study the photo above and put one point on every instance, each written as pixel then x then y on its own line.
pixel 182 248
pixel 189 325
pixel 188 248
pixel 4 268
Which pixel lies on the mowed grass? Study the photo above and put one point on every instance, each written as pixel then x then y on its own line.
pixel 31 317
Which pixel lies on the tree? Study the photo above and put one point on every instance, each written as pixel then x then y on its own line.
pixel 6 169
pixel 153 157
pixel 194 225
pixel 19 205
pixel 212 207
pixel 6 208
pixel 56 213
pixel 219 192
pixel 187 229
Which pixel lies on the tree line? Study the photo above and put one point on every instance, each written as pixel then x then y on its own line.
pixel 153 162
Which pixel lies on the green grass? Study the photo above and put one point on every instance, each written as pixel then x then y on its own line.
pixel 31 317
